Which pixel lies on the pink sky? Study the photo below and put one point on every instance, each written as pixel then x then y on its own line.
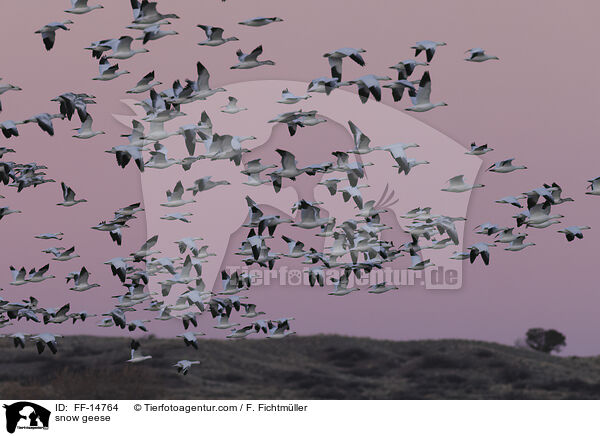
pixel 536 104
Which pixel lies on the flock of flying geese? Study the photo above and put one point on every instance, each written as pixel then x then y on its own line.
pixel 357 245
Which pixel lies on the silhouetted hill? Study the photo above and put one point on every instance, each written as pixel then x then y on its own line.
pixel 314 367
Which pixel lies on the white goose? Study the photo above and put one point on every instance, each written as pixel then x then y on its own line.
pixel 214 36
pixel 183 366
pixel 69 197
pixel 422 103
pixel 260 21
pixel 46 339
pixel 518 245
pixel 85 131
pixel 174 199
pixel 136 353
pixel 512 200
pixel 81 282
pixel 108 71
pixel 479 55
pixel 146 83
pixel 289 98
pixel 250 60
pixel 427 46
pixel 457 184
pixel 594 186
pixel 505 166
pixel 478 150
pixel 80 7
pixel 232 107
pixel 574 232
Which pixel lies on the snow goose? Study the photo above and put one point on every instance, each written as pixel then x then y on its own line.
pixel 159 159
pixel 480 249
pixel 63 256
pixel 398 153
pixel 324 85
pixel 479 55
pixel 18 276
pixel 421 102
pixel 335 59
pixel 205 184
pixel 488 229
pixel 9 128
pixel 85 131
pixel 232 107
pixel 214 36
pixel 57 236
pixel 146 83
pixel 44 121
pixel 505 166
pixel 573 232
pixel 146 13
pixel 183 366
pixel 310 216
pixel 506 236
pixel 157 132
pixel 534 195
pixel 45 339
pixel 478 150
pixel 250 60
pixel 518 245
pixel 38 276
pixel 69 197
pixel 202 88
pixel 250 311
pixel 369 85
pixel 361 141
pixel 108 71
pixel 457 184
pixel 224 323
pixel 381 288
pixel 594 186
pixel 260 21
pixel 398 87
pixel 139 324
pixel 136 353
pixel 296 248
pixel 81 282
pixel 174 199
pixel 427 46
pixel 4 211
pixel 405 68
pixel 544 224
pixel 19 339
pixel 48 32
pixel 341 285
pixel 154 32
pixel 241 333
pixel 80 7
pixel 177 217
pixel 556 193
pixel 289 98
pixel 7 87
pixel 460 255
pixel 512 200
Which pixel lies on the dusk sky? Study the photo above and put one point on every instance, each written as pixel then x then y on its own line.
pixel 538 104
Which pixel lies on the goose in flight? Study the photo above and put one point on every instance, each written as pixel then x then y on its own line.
pixel 335 58
pixel 250 311
pixel 146 13
pixel 324 85
pixel 488 229
pixel 139 324
pixel 478 150
pixel 427 46
pixel 398 87
pixel 421 102
pixel 505 166
pixel 159 159
pixel 518 245
pixel 369 85
pixel 44 121
pixel 594 187
pixel 146 83
pixel 288 97
pixel 4 211
pixel 19 339
pixel 479 55
pixel 361 141
pixel 85 131
pixel 556 191
pixel 417 262
pixel 174 199
pixel 224 323
pixel 457 184
pixel 18 276
pixel 330 184
pixel 241 333
pixel 184 366
pixel 80 7
pixel 405 68
pixel 9 128
pixel 381 288
pixel 108 71
pixel 232 107
pixel 310 216
pixel 190 339
pixel 153 32
pixel 512 200
pixel 48 32
pixel 177 217
pixel 57 236
pixel 5 88
pixel 573 232
pixel 506 236
pixel 398 153
pixel 296 248
pixel 81 281
pixel 121 48
pixel 480 249
pixel 250 60
pixel 45 339
pixel 64 255
pixel 260 21
pixel 205 184
pixel 38 276
pixel 136 353
pixel 69 197
pixel 214 36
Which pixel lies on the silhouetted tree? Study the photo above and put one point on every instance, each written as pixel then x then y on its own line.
pixel 545 341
